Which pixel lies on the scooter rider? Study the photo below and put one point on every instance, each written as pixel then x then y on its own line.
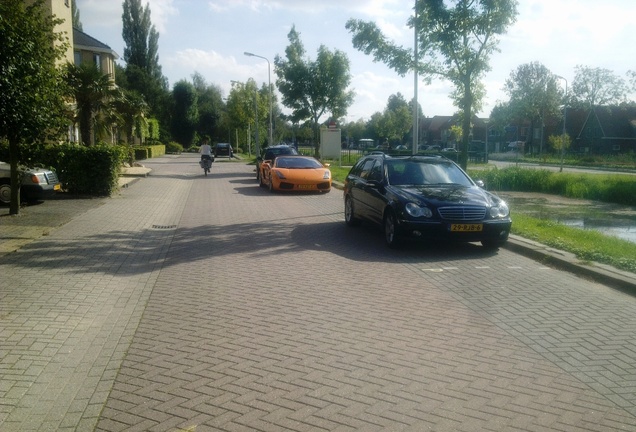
pixel 206 150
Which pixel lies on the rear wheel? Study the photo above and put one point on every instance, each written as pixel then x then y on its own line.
pixel 5 192
pixel 350 217
pixel 271 184
pixel 390 229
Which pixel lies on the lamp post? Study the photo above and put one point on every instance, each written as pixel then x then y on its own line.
pixel 565 108
pixel 269 81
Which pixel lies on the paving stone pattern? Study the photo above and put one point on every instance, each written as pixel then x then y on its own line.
pixel 208 304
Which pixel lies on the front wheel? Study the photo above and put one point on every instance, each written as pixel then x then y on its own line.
pixel 390 230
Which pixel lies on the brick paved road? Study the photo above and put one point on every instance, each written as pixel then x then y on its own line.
pixel 206 304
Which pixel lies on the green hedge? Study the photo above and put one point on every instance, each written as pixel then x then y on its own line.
pixel 87 170
pixel 146 152
pixel 612 188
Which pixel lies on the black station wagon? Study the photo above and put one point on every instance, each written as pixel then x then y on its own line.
pixel 424 197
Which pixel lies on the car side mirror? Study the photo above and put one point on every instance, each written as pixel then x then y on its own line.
pixel 480 183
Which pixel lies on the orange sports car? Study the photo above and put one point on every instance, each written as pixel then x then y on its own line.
pixel 295 173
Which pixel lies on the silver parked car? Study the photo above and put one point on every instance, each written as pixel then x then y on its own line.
pixel 36 184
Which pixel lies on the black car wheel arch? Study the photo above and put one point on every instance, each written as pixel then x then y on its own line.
pixel 350 217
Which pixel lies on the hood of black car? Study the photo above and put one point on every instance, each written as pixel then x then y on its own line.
pixel 437 195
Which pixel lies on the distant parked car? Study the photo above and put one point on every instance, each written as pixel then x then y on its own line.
pixel 424 197
pixel 223 149
pixel 270 154
pixel 37 183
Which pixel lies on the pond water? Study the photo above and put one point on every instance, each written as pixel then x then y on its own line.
pixel 610 219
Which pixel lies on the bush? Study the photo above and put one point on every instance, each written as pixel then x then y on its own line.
pixel 174 147
pixel 614 188
pixel 86 170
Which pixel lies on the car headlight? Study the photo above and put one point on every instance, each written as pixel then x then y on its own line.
pixel 415 210
pixel 326 175
pixel 279 174
pixel 500 210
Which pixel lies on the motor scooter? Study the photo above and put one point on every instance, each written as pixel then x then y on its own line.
pixel 206 164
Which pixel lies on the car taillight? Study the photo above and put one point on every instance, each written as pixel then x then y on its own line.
pixel 35 179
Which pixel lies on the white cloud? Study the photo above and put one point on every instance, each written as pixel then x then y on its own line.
pixel 160 13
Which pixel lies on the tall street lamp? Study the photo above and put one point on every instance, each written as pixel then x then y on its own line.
pixel 269 81
pixel 565 108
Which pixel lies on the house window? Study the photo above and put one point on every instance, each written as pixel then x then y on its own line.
pixel 77 57
pixel 98 61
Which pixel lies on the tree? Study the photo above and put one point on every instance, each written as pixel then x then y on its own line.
pixel 396 119
pixel 312 89
pixel 534 94
pixel 455 41
pixel 247 106
pixel 597 86
pixel 210 106
pixel 32 105
pixel 77 23
pixel 143 71
pixel 94 94
pixel 132 110
pixel 186 113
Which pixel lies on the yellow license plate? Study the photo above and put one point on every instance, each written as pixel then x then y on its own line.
pixel 305 186
pixel 466 227
pixel 57 187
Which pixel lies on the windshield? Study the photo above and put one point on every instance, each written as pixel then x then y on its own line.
pixel 297 162
pixel 419 172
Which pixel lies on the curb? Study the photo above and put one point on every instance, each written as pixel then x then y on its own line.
pixel 601 273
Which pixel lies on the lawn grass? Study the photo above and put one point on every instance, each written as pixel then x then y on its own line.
pixel 587 245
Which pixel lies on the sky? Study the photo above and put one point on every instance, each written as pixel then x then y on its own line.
pixel 211 36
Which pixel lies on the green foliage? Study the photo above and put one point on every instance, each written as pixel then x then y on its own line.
pixel 312 89
pixel 186 113
pixel 156 150
pixel 85 170
pixel 140 153
pixel 614 188
pixel 32 105
pixel 94 96
pixel 585 244
pixel 174 147
pixel 455 40
pixel 153 129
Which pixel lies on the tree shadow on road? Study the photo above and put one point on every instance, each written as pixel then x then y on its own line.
pixel 124 252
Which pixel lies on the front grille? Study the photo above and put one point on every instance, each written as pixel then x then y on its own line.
pixel 463 213
pixel 51 177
